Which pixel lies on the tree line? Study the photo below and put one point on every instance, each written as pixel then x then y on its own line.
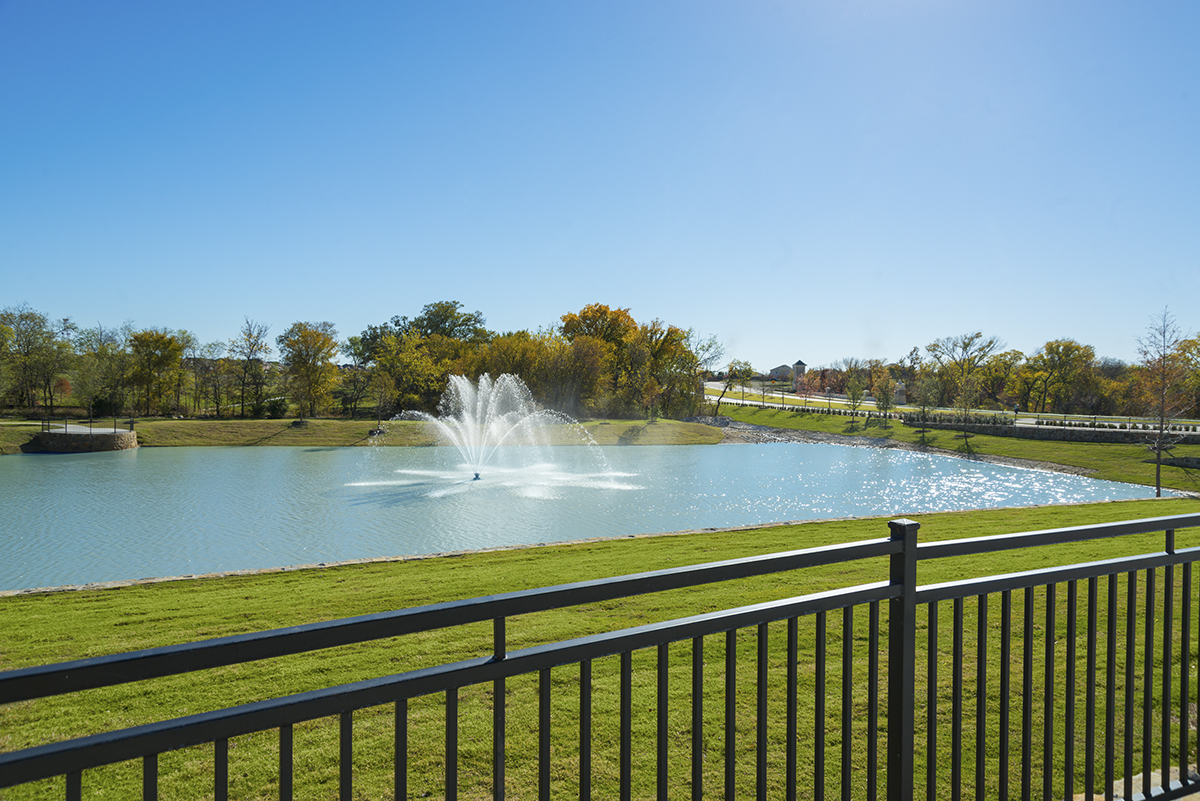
pixel 597 362
pixel 972 371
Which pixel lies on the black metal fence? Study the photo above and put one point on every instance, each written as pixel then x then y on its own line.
pixel 1082 679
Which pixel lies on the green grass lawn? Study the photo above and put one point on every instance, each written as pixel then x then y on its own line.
pixel 55 627
pixel 15 433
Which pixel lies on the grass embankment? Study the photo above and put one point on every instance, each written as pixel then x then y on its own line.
pixel 1111 461
pixel 55 627
pixel 15 433
pixel 345 433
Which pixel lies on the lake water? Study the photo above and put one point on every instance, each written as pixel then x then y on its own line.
pixel 73 519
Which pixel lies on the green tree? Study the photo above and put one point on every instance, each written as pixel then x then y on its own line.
pixel 444 318
pixel 356 382
pixel 306 352
pixel 737 372
pixel 884 391
pixel 38 353
pixel 249 350
pixel 416 380
pixel 854 393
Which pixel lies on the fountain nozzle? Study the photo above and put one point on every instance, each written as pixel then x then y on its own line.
pixel 476 477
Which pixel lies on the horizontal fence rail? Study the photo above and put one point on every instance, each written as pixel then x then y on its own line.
pixel 1042 683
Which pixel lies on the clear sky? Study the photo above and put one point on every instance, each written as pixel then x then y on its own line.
pixel 806 180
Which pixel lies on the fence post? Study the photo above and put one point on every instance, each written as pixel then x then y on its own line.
pixel 902 662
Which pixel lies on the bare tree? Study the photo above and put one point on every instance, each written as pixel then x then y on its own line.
pixel 249 350
pixel 959 357
pixel 1164 372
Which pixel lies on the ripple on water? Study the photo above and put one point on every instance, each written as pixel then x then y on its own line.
pixel 159 512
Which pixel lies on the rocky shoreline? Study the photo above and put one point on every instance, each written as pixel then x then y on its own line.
pixel 748 433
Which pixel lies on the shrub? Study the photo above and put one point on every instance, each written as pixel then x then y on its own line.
pixel 276 408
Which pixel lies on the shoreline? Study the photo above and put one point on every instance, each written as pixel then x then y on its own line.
pixel 737 433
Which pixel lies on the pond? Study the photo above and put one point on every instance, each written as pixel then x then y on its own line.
pixel 74 519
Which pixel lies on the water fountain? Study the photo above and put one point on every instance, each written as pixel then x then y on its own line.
pixel 480 419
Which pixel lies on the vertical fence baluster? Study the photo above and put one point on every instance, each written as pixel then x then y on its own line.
pixel 585 730
pixel 150 777
pixel 74 790
pixel 1185 655
pixel 221 770
pixel 544 734
pixel 931 705
pixel 626 725
pixel 1005 689
pixel 730 712
pixel 285 762
pixel 697 718
pixel 981 698
pixel 1027 700
pixel 1167 655
pixel 873 702
pixel 760 777
pixel 400 750
pixel 956 712
pixel 1148 687
pixel 1089 765
pixel 346 757
pixel 1048 697
pixel 1130 645
pixel 819 713
pixel 847 695
pixel 1110 691
pixel 793 692
pixel 452 744
pixel 499 709
pixel 663 731
pixel 1069 713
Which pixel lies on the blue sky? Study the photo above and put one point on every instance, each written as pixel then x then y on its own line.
pixel 806 180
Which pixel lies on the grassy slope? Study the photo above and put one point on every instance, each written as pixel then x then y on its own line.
pixel 14 434
pixel 335 433
pixel 57 627
pixel 1114 462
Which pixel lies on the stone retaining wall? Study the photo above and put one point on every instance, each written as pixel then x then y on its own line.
pixel 56 442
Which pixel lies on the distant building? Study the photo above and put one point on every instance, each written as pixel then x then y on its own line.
pixel 781 373
pixel 798 368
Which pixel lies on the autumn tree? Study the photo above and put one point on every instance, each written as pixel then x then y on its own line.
pixel 306 352
pixel 1058 374
pixel 156 359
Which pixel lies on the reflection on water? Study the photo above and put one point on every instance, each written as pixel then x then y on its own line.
pixel 82 518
